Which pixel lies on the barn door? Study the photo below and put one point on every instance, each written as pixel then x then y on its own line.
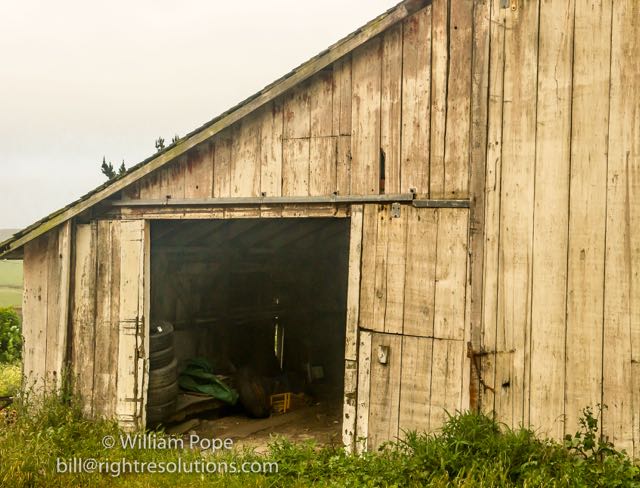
pixel 134 274
pixel 108 318
pixel 411 326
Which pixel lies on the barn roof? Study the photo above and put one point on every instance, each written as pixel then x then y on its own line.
pixel 244 108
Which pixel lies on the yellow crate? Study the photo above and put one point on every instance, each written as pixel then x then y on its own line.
pixel 280 402
pixel 283 402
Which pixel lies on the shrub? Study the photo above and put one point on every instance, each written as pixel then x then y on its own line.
pixel 10 336
pixel 10 378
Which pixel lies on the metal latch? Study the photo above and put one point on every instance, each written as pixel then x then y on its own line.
pixel 395 210
pixel 383 354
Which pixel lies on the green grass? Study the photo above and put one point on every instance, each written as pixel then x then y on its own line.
pixel 10 378
pixel 471 450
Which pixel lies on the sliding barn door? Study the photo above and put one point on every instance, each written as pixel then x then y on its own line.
pixel 109 318
pixel 411 327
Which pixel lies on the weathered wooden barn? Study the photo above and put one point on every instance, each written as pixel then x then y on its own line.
pixel 447 202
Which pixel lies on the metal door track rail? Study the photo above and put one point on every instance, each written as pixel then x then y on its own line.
pixel 332 199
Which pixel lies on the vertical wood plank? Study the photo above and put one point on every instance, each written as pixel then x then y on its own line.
pixel 141 393
pixel 323 157
pixel 451 274
pixel 457 164
pixel 439 85
pixel 391 106
pixel 222 164
pixel 415 387
pixel 493 193
pixel 320 104
pixel 172 179
pixel 245 158
pixel 384 398
pixel 295 167
pixel 297 112
pixel 59 257
pixel 446 378
pixel 342 96
pixel 272 120
pixel 452 54
pixel 516 213
pixel 343 165
pixel 396 272
pixel 416 92
pixel 198 175
pixel 342 123
pixel 551 216
pixel 131 291
pixel 367 280
pixel 149 186
pixel 296 144
pixel 83 313
pixel 622 278
pixel 106 337
pixel 34 310
pixel 590 120
pixel 353 287
pixel 364 392
pixel 349 408
pixel 478 140
pixel 52 308
pixel 365 132
pixel 323 145
pixel 380 280
pixel 420 279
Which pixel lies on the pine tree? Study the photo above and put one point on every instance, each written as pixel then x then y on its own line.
pixel 107 169
pixel 159 144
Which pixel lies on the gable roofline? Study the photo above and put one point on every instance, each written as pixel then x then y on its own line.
pixel 224 120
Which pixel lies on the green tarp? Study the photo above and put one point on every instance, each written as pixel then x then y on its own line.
pixel 198 376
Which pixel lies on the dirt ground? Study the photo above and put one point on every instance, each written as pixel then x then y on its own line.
pixel 319 422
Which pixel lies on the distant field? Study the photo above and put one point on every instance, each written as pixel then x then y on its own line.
pixel 11 273
pixel 10 283
pixel 10 297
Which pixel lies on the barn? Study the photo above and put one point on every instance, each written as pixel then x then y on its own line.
pixel 439 212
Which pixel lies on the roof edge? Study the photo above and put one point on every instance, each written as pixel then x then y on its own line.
pixel 216 125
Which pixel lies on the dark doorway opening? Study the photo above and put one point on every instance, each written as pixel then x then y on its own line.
pixel 261 305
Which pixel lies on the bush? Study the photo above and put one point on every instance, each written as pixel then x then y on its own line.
pixel 10 336
pixel 10 378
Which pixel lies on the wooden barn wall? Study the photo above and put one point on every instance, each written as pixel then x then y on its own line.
pixel 533 113
pixel 412 297
pixel 395 109
pixel 561 281
pixel 45 306
pixel 107 318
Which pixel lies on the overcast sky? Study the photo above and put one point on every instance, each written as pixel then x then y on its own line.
pixel 83 79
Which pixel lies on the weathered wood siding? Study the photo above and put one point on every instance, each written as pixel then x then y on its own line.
pixel 107 319
pixel 561 279
pixel 372 115
pixel 45 307
pixel 412 304
pixel 529 109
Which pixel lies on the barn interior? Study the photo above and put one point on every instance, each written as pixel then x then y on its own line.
pixel 263 302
